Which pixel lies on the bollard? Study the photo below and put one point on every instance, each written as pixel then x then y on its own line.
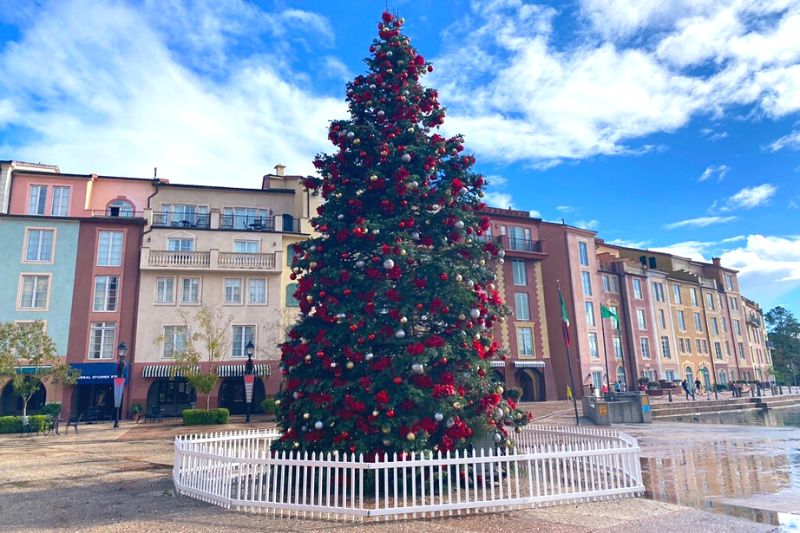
pixel 669 394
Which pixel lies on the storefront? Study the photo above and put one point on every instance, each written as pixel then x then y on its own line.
pixel 93 394
pixel 231 391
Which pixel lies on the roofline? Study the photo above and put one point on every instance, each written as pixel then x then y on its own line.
pixel 492 211
pixel 139 221
pixel 221 188
pixel 587 232
pixel 81 176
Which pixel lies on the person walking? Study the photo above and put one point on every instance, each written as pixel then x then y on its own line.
pixel 698 386
pixel 685 386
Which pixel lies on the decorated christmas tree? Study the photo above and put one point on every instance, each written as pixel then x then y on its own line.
pixel 397 294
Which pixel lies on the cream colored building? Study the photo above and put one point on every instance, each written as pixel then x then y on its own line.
pixel 225 249
pixel 760 356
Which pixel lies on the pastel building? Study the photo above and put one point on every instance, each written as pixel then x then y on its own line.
pixel 520 279
pixel 225 250
pixel 38 266
pixel 760 360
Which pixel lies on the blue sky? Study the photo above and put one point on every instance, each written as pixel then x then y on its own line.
pixel 671 124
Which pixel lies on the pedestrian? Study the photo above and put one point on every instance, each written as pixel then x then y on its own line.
pixel 685 386
pixel 697 385
pixel 617 387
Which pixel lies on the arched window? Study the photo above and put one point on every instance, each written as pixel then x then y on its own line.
pixel 689 375
pixel 120 208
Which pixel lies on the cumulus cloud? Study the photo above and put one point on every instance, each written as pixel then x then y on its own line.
pixel 498 199
pixel 101 88
pixel 751 197
pixel 699 222
pixel 714 171
pixel 696 250
pixel 588 224
pixel 644 67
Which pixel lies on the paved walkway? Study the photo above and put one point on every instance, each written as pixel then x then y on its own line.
pixel 120 480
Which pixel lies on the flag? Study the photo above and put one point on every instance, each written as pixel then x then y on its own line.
pixel 564 319
pixel 605 312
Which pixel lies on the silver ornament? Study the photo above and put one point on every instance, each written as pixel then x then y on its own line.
pixel 459 224
pixel 405 158
pixel 340 217
pixel 450 422
pixel 497 437
pixel 388 264
pixel 417 368
pixel 381 113
pixel 438 417
pixel 360 264
pixel 399 334
pixel 424 318
pixel 501 253
pixel 415 235
pixel 318 424
pixel 369 356
pixel 474 313
pixel 350 134
pixel 462 191
pixel 501 261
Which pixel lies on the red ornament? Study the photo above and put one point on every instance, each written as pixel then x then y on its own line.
pixel 397 380
pixel 390 413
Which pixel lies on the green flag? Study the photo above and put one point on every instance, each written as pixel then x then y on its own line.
pixel 605 312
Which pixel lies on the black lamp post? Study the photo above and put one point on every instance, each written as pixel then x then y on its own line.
pixel 248 371
pixel 122 351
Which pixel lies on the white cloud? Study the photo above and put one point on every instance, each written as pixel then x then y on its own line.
pixel 751 197
pixel 712 171
pixel 587 224
pixel 519 95
pixel 565 208
pixel 535 214
pixel 495 180
pixel 696 250
pixel 699 222
pixel 102 90
pixel 629 244
pixel 791 141
pixel 498 199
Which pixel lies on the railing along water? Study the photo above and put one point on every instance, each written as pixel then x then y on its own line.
pixel 549 465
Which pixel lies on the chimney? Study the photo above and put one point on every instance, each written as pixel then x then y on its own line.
pixel 716 261
pixel 280 169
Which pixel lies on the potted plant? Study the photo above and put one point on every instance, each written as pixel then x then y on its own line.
pixel 136 409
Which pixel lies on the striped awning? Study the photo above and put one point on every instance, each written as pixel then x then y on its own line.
pixel 30 369
pixel 498 364
pixel 162 371
pixel 529 364
pixel 229 371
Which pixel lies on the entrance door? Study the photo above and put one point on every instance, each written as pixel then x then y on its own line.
pixel 532 385
pixel 232 398
pixel 95 400
pixel 706 379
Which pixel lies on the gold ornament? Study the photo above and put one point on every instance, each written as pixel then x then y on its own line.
pixel 411 436
pixel 375 413
pixel 349 365
pixel 306 416
pixel 499 390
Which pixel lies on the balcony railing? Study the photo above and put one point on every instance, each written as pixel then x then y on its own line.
pixel 210 260
pixel 178 220
pixel 521 245
pixel 117 212
pixel 166 258
pixel 247 261
pixel 284 223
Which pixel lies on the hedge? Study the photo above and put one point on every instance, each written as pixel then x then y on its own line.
pixel 13 424
pixel 269 406
pixel 201 417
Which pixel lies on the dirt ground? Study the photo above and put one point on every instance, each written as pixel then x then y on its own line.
pixel 120 480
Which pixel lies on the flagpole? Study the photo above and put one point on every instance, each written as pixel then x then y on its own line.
pixel 605 352
pixel 569 357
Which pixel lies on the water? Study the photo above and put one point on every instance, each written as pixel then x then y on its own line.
pixel 745 464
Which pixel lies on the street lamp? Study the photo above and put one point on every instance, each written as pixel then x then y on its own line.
pixel 248 377
pixel 794 376
pixel 119 381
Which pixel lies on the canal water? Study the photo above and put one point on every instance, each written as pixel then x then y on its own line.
pixel 743 464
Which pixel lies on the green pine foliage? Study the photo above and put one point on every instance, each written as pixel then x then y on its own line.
pixel 397 294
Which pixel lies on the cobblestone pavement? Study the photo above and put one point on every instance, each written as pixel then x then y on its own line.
pixel 120 480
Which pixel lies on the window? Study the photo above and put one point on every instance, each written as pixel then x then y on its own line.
pixel 614 321
pixel 520 275
pixel 676 294
pixel 583 252
pixel 520 239
pixel 640 319
pixel 120 208
pixel 741 350
pixel 257 291
pixel 34 292
pixel 610 283
pixel 729 281
pixel 190 293
pixel 637 289
pixel 698 323
pixel 174 340
pixel 37 199
pixel 644 342
pixel 693 296
pixel 699 346
pixel 525 341
pixel 617 347
pixel 662 319
pixel 734 303
pixel 621 375
pixel 681 321
pixel 728 348
pixel 233 290
pixel 185 216
pixel 246 218
pixel 246 247
pixel 60 206
pixel 593 351
pixel 40 245
pixel 597 379
pixel 658 291
pixel 241 336
pixel 724 326
pixel 522 306
pixel 106 289
pixel 689 345
pixel 670 375
pixel 589 308
pixel 586 278
pixel 291 301
pixel 714 325
pixel 718 350
pixel 101 343
pixel 165 290
pixel 710 301
pixel 665 348
pixel 737 328
pixel 109 249
pixel 180 245
pixel 681 345
pixel 650 374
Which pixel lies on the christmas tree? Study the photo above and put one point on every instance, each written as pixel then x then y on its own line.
pixel 397 296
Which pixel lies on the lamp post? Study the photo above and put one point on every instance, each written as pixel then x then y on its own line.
pixel 794 376
pixel 119 381
pixel 248 377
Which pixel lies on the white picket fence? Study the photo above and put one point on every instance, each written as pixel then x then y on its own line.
pixel 550 465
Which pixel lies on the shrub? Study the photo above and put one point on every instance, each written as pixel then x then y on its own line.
pixel 201 417
pixel 269 407
pixel 515 393
pixel 13 424
pixel 50 409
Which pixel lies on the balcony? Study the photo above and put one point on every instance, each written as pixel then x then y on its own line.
pixel 116 212
pixel 212 260
pixel 282 223
pixel 514 245
pixel 178 220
